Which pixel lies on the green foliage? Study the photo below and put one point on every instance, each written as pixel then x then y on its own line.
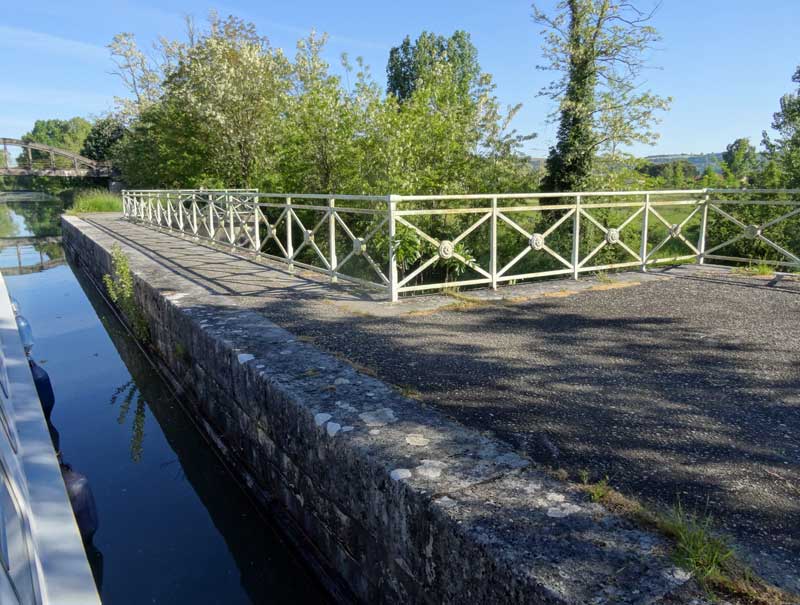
pixel 761 269
pixel 120 287
pixel 104 134
pixel 597 47
pixel 784 150
pixel 64 134
pixel 741 160
pixel 697 548
pixel 412 63
pixel 677 174
pixel 598 491
pixel 95 200
pixel 229 110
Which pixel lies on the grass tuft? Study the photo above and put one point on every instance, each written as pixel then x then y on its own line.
pixel 604 278
pixel 760 269
pixel 696 547
pixel 95 200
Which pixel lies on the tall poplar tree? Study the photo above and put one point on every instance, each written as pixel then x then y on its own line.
pixel 598 49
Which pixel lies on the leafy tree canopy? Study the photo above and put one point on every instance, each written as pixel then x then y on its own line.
pixel 741 159
pixel 784 149
pixel 104 134
pixel 224 108
pixel 64 134
pixel 413 62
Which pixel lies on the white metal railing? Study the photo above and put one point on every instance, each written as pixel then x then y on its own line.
pixel 402 244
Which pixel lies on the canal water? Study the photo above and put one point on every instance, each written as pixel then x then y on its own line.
pixel 174 526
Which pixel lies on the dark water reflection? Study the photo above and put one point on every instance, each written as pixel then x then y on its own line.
pixel 174 526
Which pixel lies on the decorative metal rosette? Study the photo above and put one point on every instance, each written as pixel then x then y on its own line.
pixel 359 246
pixel 308 235
pixel 446 249
pixel 537 241
pixel 612 235
pixel 752 231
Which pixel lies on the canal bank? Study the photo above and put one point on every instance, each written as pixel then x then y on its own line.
pixel 403 503
pixel 174 525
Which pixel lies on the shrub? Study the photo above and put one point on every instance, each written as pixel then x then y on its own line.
pixel 120 289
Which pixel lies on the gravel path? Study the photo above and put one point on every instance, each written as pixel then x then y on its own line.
pixel 685 386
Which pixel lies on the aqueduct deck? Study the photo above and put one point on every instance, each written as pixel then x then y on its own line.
pixel 677 384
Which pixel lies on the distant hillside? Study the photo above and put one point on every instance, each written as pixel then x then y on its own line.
pixel 700 160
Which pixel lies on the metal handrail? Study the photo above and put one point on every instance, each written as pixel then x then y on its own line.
pixel 313 231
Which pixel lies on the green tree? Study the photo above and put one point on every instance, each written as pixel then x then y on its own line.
pixel 105 133
pixel 784 150
pixel 411 62
pixel 64 134
pixel 322 150
pixel 234 87
pixel 741 160
pixel 598 48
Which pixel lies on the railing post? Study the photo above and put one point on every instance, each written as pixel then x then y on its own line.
pixel 289 244
pixel 332 237
pixel 392 207
pixel 256 226
pixel 701 244
pixel 180 214
pixel 493 244
pixel 576 237
pixel 645 225
pixel 169 212
pixel 212 232
pixel 231 233
pixel 194 214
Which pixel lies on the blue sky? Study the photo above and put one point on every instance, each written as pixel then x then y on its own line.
pixel 725 62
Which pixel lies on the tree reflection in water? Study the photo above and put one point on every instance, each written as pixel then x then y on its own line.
pixel 126 394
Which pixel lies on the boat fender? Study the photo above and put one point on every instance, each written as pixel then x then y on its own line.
pixel 82 500
pixel 44 388
pixel 25 333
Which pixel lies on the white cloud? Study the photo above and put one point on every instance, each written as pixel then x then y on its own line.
pixel 17 38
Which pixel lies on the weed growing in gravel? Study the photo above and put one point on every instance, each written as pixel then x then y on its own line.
pixel 697 548
pixel 604 278
pixel 761 269
pixel 599 490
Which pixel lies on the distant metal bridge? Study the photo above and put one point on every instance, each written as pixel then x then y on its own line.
pixel 35 159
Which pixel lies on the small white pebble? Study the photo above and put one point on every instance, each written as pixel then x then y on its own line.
pixel 399 474
pixel 416 439
pixel 333 428
pixel 430 469
pixel 321 419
